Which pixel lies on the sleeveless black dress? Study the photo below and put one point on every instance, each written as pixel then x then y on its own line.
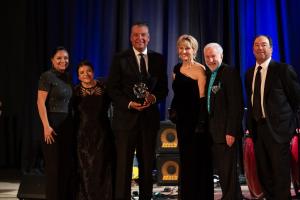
pixel 196 172
pixel 95 146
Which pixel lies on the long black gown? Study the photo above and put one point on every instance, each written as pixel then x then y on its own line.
pixel 94 148
pixel 59 156
pixel 196 172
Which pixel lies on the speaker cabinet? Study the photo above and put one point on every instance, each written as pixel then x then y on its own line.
pixel 168 169
pixel 167 141
pixel 32 187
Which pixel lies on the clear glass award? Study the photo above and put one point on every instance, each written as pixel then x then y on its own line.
pixel 140 91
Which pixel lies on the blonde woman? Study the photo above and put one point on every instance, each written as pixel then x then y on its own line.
pixel 189 102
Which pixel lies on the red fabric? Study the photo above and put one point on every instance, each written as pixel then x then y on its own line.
pixel 295 161
pixel 250 169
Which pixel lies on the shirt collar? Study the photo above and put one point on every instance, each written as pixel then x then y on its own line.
pixel 136 52
pixel 216 70
pixel 265 64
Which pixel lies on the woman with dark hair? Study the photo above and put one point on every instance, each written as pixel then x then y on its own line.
pixel 53 101
pixel 94 136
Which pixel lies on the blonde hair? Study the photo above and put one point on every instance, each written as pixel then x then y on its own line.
pixel 188 39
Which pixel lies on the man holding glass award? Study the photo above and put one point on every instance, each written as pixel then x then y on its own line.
pixel 137 82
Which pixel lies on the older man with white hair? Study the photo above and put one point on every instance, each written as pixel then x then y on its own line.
pixel 225 108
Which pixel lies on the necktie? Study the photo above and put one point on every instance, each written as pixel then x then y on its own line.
pixel 143 66
pixel 257 110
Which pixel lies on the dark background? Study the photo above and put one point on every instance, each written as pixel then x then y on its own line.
pixel 96 29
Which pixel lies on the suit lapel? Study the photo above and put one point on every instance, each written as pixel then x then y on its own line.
pixel 217 82
pixel 151 62
pixel 133 62
pixel 151 70
pixel 268 82
pixel 219 75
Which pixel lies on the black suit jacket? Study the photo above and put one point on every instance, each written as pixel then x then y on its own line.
pixel 281 100
pixel 226 104
pixel 124 73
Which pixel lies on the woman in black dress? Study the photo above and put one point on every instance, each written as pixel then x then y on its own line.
pixel 94 136
pixel 196 179
pixel 54 95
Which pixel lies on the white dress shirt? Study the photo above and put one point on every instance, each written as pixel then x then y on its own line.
pixel 263 73
pixel 138 57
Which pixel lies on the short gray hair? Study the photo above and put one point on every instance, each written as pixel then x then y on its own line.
pixel 215 46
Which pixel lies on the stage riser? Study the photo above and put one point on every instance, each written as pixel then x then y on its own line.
pixel 32 187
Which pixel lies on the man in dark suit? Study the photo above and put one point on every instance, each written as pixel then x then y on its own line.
pixel 225 108
pixel 273 102
pixel 137 82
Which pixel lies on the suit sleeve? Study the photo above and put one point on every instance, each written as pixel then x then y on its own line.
pixel 291 86
pixel 114 87
pixel 234 100
pixel 292 89
pixel 160 89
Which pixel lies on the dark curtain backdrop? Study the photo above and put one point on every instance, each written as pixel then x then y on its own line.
pixel 97 29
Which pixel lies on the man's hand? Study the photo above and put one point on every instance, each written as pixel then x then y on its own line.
pixel 150 99
pixel 229 140
pixel 138 106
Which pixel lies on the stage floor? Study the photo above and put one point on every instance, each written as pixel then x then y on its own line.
pixel 9 184
pixel 171 192
pixel 10 181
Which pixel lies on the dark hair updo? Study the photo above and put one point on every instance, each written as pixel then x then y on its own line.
pixel 85 63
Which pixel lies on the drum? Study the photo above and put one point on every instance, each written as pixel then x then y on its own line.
pixel 250 168
pixel 295 163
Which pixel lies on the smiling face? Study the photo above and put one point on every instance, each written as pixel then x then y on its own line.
pixel 85 74
pixel 139 37
pixel 262 49
pixel 60 61
pixel 185 51
pixel 213 58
